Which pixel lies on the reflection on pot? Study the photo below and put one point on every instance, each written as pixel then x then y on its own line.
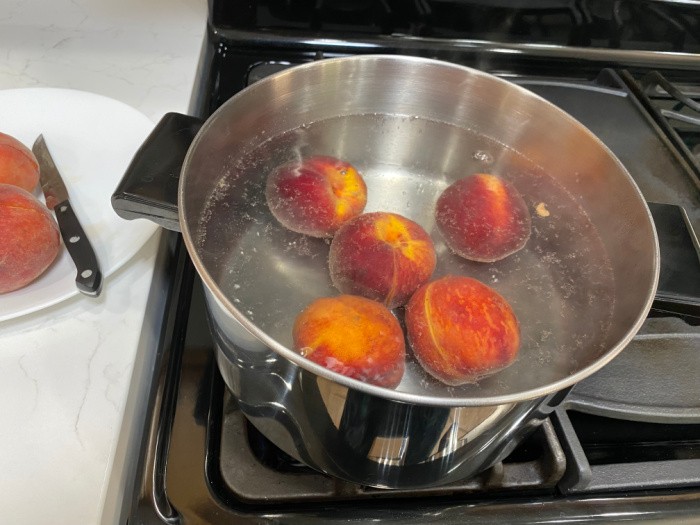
pixel 361 437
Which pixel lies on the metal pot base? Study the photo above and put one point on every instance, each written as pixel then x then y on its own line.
pixel 367 439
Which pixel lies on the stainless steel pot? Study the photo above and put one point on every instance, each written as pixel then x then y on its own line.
pixel 581 287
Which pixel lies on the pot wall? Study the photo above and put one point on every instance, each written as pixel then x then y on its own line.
pixel 581 286
pixel 360 437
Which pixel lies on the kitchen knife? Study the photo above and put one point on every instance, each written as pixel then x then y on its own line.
pixel 89 276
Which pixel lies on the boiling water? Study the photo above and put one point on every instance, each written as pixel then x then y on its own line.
pixel 560 285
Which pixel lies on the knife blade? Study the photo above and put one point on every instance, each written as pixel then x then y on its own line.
pixel 89 277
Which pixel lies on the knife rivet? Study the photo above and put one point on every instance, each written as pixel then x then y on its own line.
pixel 63 208
pixel 85 274
pixel 74 239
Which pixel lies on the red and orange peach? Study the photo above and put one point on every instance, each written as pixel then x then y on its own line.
pixel 29 238
pixel 315 196
pixel 461 330
pixel 353 336
pixel 382 256
pixel 483 218
pixel 18 165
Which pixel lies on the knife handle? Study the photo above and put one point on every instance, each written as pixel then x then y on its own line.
pixel 89 276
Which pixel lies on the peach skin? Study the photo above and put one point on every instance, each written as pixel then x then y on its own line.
pixel 382 256
pixel 315 196
pixel 29 238
pixel 461 330
pixel 18 165
pixel 353 336
pixel 483 218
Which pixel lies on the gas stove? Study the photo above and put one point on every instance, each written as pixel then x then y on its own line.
pixel 622 444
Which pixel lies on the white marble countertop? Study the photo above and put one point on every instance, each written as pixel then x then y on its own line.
pixel 65 372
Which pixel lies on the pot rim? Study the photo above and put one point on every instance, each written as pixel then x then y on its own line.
pixel 388 393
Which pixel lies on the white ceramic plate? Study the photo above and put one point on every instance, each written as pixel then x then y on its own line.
pixel 92 139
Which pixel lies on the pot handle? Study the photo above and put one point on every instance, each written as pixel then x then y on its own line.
pixel 148 189
pixel 651 380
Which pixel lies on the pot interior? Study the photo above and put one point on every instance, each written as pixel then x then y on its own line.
pixel 579 288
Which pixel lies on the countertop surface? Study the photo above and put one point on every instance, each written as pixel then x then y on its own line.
pixel 66 371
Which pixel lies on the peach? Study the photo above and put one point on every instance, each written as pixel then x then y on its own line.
pixel 483 218
pixel 18 165
pixel 29 238
pixel 353 336
pixel 315 196
pixel 461 330
pixel 381 256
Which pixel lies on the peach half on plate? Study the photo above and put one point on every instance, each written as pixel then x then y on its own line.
pixel 29 238
pixel 18 165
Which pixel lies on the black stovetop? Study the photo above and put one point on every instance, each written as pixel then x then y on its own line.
pixel 626 441
pixel 621 24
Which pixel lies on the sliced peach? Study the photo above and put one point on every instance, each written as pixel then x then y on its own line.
pixel 353 336
pixel 315 196
pixel 483 218
pixel 461 330
pixel 382 256
pixel 18 165
pixel 29 238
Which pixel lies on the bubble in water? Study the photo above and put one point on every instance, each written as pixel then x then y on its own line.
pixel 483 156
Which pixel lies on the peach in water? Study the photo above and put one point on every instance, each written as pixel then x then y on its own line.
pixel 315 196
pixel 383 256
pixel 483 218
pixel 461 330
pixel 353 336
